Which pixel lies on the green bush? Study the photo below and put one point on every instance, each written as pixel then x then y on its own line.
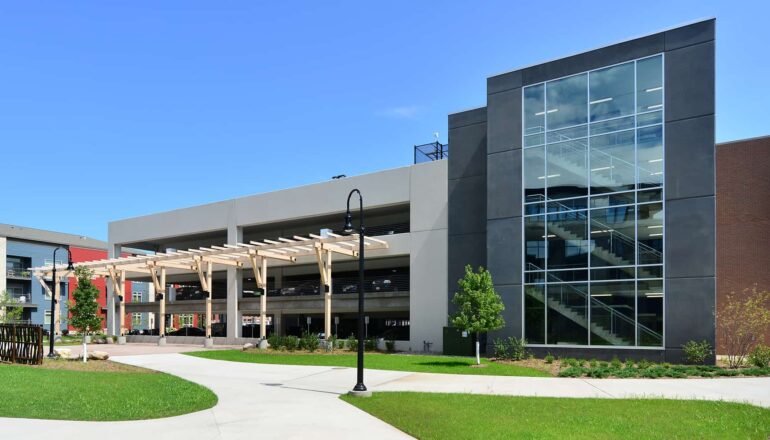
pixel 390 345
pixel 275 342
pixel 499 348
pixel 291 342
pixel 760 356
pixel 572 372
pixel 370 344
pixel 570 362
pixel 517 348
pixel 309 342
pixel 616 363
pixel 696 352
pixel 351 343
pixel 548 358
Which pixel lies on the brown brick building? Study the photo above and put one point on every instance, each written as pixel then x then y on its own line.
pixel 743 219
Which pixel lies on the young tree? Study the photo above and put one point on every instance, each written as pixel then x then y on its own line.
pixel 743 322
pixel 83 306
pixel 9 309
pixel 478 305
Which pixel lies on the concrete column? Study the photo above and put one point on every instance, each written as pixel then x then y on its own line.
pixel 234 287
pixel 113 251
pixel 150 298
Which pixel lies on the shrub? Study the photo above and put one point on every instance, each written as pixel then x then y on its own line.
pixel 517 348
pixel 275 341
pixel 616 363
pixel 743 320
pixel 593 363
pixel 570 362
pixel 549 358
pixel 571 372
pixel 390 345
pixel 760 356
pixel 370 344
pixel 643 364
pixel 309 342
pixel 291 342
pixel 499 348
pixel 696 352
pixel 352 343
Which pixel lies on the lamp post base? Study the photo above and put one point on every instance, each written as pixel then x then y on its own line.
pixel 365 393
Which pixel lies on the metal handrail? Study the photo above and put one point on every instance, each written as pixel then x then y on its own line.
pixel 563 138
pixel 612 311
pixel 608 228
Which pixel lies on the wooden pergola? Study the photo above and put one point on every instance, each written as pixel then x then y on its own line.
pixel 201 261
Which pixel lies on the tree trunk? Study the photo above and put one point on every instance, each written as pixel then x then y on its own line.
pixel 478 357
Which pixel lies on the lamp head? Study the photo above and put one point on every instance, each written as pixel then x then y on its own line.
pixel 348 228
pixel 69 265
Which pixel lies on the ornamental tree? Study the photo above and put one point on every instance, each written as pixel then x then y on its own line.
pixel 479 306
pixel 83 306
pixel 743 321
pixel 9 309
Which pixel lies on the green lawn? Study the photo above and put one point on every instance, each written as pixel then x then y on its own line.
pixel 467 416
pixel 98 390
pixel 377 361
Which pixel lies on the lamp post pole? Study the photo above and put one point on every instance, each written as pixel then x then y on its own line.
pixel 359 388
pixel 54 299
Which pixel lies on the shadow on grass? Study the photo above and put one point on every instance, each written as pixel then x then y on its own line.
pixel 444 364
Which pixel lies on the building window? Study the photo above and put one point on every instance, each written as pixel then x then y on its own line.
pixel 47 317
pixel 592 182
pixel 136 319
pixel 136 297
pixel 186 320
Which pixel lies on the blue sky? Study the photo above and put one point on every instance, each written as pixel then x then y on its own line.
pixel 111 110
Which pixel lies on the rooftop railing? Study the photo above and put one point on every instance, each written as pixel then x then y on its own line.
pixel 430 152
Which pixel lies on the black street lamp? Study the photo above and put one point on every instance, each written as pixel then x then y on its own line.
pixel 360 388
pixel 54 299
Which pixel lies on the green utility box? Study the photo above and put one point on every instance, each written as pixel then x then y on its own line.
pixel 455 344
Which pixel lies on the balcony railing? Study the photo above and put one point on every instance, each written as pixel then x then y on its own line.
pixel 13 272
pixel 430 152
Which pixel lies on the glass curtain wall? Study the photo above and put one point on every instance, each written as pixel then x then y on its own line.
pixel 593 205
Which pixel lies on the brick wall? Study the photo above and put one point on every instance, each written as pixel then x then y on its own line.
pixel 743 219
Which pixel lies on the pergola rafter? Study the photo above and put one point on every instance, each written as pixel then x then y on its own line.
pixel 203 260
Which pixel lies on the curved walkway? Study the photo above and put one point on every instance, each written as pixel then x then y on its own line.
pixel 287 401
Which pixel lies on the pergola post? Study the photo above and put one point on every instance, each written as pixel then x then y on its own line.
pixel 160 290
pixel 205 281
pixel 263 301
pixel 122 284
pixel 325 268
pixel 57 307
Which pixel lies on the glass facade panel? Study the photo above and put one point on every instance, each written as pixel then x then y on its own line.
pixel 649 84
pixel 566 101
pixel 567 237
pixel 612 236
pixel 534 238
pixel 612 92
pixel 649 152
pixel 612 162
pixel 650 230
pixel 534 174
pixel 593 213
pixel 534 110
pixel 567 170
pixel 567 316
pixel 534 313
pixel 650 313
pixel 613 308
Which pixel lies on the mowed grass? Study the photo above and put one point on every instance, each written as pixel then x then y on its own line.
pixel 468 416
pixel 98 390
pixel 377 361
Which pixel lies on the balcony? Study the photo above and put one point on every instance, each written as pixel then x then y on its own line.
pixel 18 273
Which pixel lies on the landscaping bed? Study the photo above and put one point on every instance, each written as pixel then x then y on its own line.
pixel 570 367
pixel 96 391
pixel 473 416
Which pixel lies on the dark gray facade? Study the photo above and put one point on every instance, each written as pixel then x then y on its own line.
pixel 485 184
